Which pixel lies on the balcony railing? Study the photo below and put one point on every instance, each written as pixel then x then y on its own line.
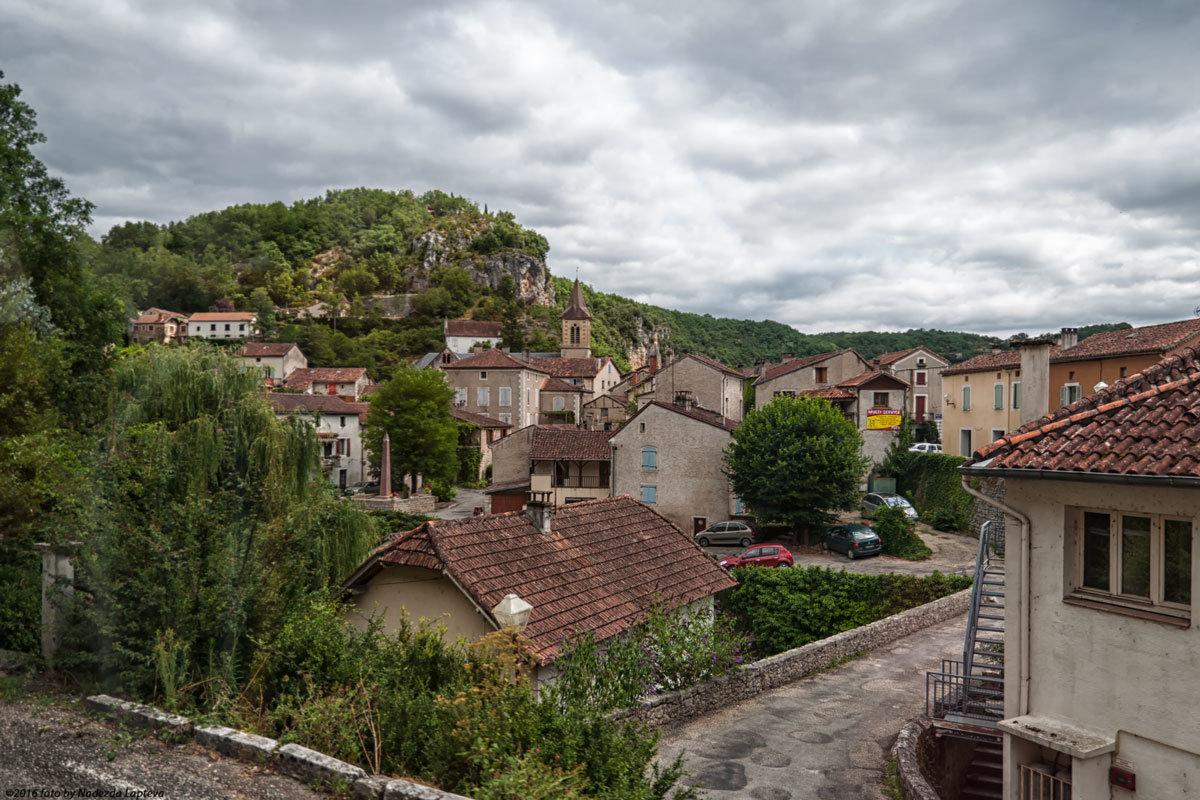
pixel 956 697
pixel 1038 782
pixel 581 482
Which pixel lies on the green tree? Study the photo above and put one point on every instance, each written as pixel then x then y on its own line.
pixel 796 459
pixel 512 334
pixel 414 408
pixel 896 458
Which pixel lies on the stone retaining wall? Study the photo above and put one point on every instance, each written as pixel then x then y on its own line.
pixel 778 670
pixel 907 752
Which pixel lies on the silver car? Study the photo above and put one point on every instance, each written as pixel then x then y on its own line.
pixel 738 533
pixel 872 502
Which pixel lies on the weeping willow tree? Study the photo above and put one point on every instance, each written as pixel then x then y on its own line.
pixel 215 519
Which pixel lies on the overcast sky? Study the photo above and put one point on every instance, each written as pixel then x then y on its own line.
pixel 835 165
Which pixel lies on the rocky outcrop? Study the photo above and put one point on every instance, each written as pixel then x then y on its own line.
pixel 435 249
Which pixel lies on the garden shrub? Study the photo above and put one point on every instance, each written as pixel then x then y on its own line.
pixel 896 532
pixel 933 482
pixel 785 608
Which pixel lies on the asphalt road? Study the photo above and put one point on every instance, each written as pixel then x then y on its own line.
pixel 825 737
pixel 46 749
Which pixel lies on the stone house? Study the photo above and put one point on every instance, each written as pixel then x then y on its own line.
pixel 669 456
pixel 339 428
pixel 878 398
pixel 494 384
pixel 558 462
pixel 159 326
pixel 921 368
pixel 561 402
pixel 985 397
pixel 558 565
pixel 462 335
pixel 1109 357
pixel 487 432
pixel 277 360
pixel 349 383
pixel 795 375
pixel 710 384
pixel 604 413
pixel 1102 648
pixel 221 325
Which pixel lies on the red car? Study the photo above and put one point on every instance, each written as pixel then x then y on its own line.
pixel 760 555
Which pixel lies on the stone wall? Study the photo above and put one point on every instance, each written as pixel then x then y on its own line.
pixel 995 489
pixel 778 670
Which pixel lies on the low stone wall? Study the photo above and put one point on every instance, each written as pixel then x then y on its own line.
pixel 907 752
pixel 291 759
pixel 421 503
pixel 778 670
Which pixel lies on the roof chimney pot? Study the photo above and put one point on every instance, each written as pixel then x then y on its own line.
pixel 539 511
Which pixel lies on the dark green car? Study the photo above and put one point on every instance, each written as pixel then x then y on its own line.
pixel 853 540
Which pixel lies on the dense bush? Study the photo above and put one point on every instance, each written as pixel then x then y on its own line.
pixel 933 482
pixel 785 608
pixel 896 533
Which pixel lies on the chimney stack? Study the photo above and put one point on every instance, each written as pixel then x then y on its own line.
pixel 1070 338
pixel 1035 378
pixel 539 511
pixel 786 357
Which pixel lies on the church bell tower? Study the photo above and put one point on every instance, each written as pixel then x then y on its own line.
pixel 576 326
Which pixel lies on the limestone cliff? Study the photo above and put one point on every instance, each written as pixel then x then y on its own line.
pixel 529 272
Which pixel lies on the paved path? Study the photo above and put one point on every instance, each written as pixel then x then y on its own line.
pixel 463 505
pixel 825 737
pixel 54 748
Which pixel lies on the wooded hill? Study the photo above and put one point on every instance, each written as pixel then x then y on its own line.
pixel 438 255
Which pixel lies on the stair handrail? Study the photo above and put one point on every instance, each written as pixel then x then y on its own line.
pixel 982 562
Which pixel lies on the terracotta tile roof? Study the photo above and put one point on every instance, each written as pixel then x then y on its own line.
pixel 473 327
pixel 222 316
pixel 493 359
pixel 892 358
pixel 717 365
pixel 504 487
pixel 303 378
pixel 259 349
pixel 559 385
pixel 284 403
pixel 478 419
pixel 868 376
pixel 988 362
pixel 1147 424
pixel 698 414
pixel 830 393
pixel 1151 339
pixel 574 444
pixel 581 576
pixel 576 307
pixel 156 316
pixel 774 371
pixel 618 400
pixel 567 367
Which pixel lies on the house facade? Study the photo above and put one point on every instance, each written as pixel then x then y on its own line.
pixel 879 400
pixel 349 383
pixel 669 457
pixel 795 375
pixel 920 368
pixel 277 360
pixel 710 384
pixel 486 433
pixel 462 335
pixel 339 429
pixel 458 572
pixel 158 326
pixel 561 402
pixel 569 466
pixel 982 401
pixel 221 325
pixel 604 413
pixel 1116 355
pixel 494 384
pixel 1102 648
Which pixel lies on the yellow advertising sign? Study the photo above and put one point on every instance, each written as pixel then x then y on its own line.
pixel 883 419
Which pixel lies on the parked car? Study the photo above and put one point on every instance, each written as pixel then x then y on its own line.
pixel 925 447
pixel 853 540
pixel 732 532
pixel 365 487
pixel 771 554
pixel 872 502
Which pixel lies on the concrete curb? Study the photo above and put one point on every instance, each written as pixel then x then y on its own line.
pixel 294 760
pixel 906 751
pixel 792 665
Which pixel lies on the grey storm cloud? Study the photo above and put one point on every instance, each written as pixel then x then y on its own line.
pixel 989 166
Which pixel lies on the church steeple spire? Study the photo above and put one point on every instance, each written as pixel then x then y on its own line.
pixel 576 307
pixel 576 326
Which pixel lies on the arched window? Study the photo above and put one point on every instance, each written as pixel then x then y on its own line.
pixel 649 458
pixel 574 334
pixel 558 404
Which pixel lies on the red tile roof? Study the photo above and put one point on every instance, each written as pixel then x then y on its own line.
pixel 559 385
pixel 892 358
pixel 575 444
pixel 157 316
pixel 774 371
pixel 478 419
pixel 1151 339
pixel 866 377
pixel 473 327
pixel 303 378
pixel 222 316
pixel 493 359
pixel 988 362
pixel 259 349
pixel 830 393
pixel 600 568
pixel 567 367
pixel 284 403
pixel 1147 424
